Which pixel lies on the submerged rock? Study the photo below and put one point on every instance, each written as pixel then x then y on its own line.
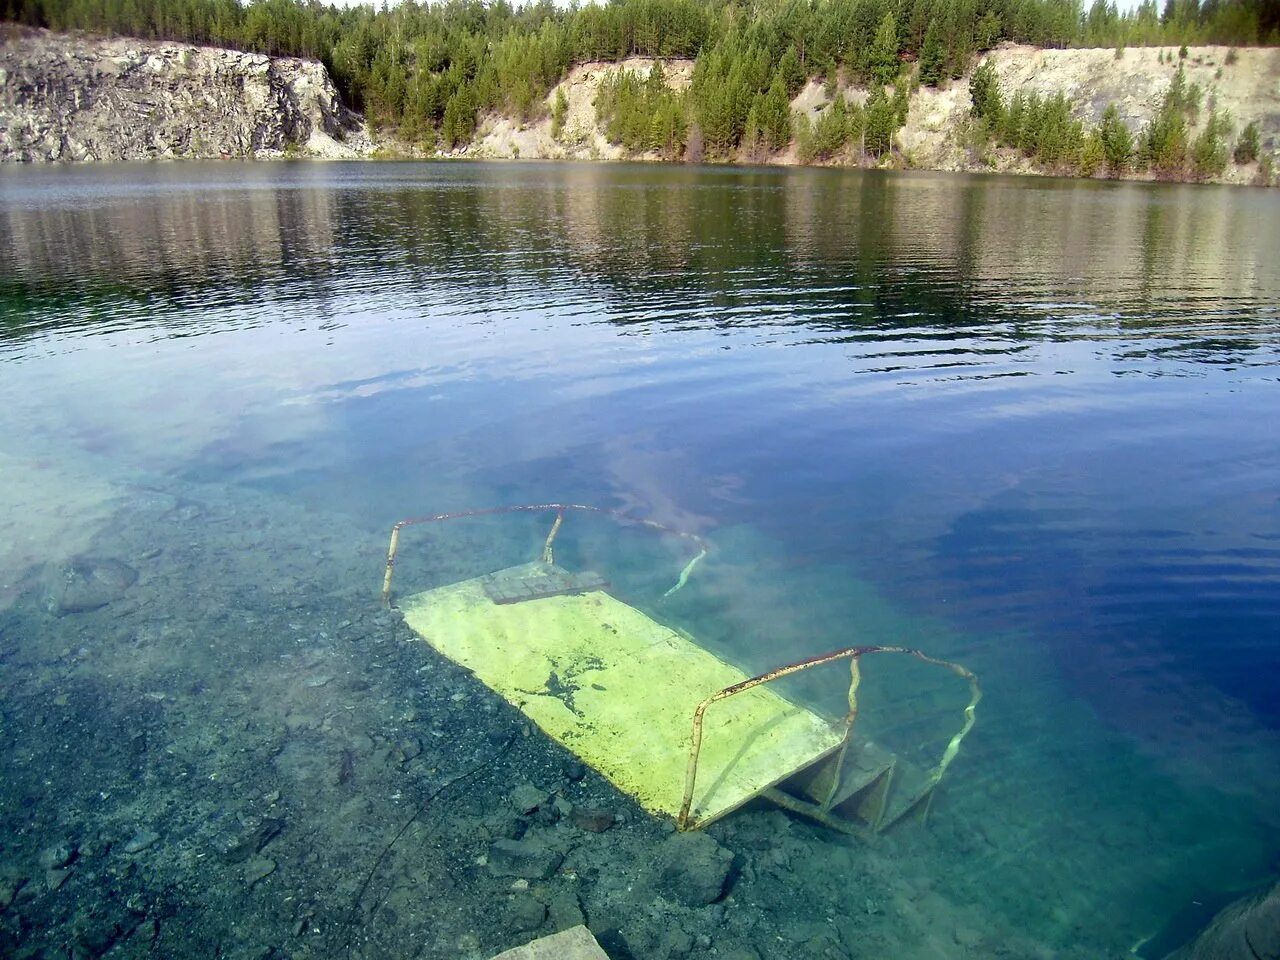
pixel 58 855
pixel 526 798
pixel 591 819
pixel 523 858
pixel 525 913
pixel 693 868
pixel 140 841
pixel 257 869
pixel 86 583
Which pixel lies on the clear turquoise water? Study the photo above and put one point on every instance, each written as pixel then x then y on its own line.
pixel 1027 424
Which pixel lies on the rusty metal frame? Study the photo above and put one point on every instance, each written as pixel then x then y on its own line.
pixel 821 811
pixel 547 555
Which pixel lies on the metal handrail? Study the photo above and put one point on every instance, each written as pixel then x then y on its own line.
pixel 686 822
pixel 560 509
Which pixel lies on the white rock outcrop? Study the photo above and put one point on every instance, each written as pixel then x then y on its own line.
pixel 70 98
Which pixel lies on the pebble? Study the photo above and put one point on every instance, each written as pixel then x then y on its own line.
pixel 141 840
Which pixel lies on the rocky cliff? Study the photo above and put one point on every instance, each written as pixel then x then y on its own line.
pixel 1244 83
pixel 85 98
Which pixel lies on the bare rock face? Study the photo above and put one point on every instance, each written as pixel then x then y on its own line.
pixel 68 98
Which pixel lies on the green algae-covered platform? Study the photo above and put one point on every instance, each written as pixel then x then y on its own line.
pixel 618 689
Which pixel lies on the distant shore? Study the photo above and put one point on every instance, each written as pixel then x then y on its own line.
pixel 78 98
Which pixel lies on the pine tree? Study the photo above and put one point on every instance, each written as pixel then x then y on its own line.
pixel 884 51
pixel 753 141
pixel 831 130
pixel 984 91
pixel 558 113
pixel 775 114
pixel 932 57
pixel 881 123
pixel 1249 144
pixel 804 139
pixel 1117 142
pixel 1209 151
pixel 793 72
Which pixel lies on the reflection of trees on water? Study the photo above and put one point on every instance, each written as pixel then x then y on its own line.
pixel 843 254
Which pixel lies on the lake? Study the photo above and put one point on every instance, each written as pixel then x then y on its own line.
pixel 1027 425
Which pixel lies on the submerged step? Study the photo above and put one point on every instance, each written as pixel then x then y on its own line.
pixel 619 690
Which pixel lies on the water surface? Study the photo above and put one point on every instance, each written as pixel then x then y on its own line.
pixel 1025 424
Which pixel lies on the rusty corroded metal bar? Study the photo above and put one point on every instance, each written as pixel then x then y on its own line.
pixel 560 508
pixel 855 677
pixel 547 555
pixel 684 820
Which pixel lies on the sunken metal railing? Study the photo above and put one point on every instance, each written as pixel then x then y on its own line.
pixel 822 812
pixel 547 556
pixel 686 821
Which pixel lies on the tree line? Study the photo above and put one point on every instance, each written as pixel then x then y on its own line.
pixel 428 71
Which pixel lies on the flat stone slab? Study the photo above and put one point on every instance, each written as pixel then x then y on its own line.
pixel 576 943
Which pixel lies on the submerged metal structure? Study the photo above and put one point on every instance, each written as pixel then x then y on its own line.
pixel 687 734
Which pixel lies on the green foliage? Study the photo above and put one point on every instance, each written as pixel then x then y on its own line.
pixel 830 78
pixel 1209 150
pixel 775 114
pixel 1164 141
pixel 901 101
pixel 753 143
pixel 1092 154
pixel 881 124
pixel 726 81
pixel 459 121
pixel 642 115
pixel 559 112
pixel 805 149
pixel 1116 141
pixel 831 132
pixel 1182 52
pixel 932 56
pixel 988 31
pixel 1249 145
pixel 884 51
pixel 984 91
pixel 792 72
